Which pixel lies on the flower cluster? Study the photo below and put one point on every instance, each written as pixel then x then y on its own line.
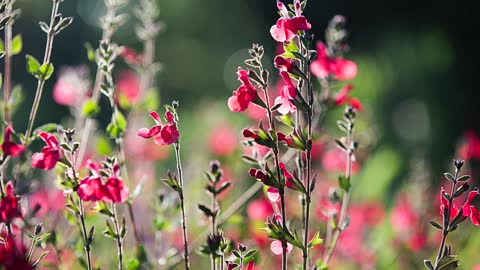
pixel 113 190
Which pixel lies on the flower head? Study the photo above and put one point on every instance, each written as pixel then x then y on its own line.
pixel 339 68
pixel 244 95
pixel 289 91
pixel 287 27
pixel 10 148
pixel 162 134
pixel 9 205
pixel 50 155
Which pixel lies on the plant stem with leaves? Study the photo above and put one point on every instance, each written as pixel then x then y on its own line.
pixel 44 71
pixel 348 146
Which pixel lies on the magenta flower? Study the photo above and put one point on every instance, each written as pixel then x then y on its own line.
pixel 325 65
pixel 244 95
pixel 50 155
pixel 289 91
pixel 13 253
pixel 162 134
pixel 9 206
pixel 342 97
pixel 92 189
pixel 10 148
pixel 286 27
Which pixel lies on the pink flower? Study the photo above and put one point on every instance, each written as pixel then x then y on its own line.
pixel 10 148
pixel 284 64
pixel 162 134
pixel 130 56
pixel 289 91
pixel 114 189
pixel 445 205
pixel 273 194
pixel 277 249
pixel 222 141
pixel 470 148
pixel 259 210
pixel 9 206
pixel 244 95
pixel 287 28
pixel 342 97
pixel 324 65
pixel 335 160
pixel 46 201
pixel 72 86
pixel 128 85
pixel 50 155
pixel 92 189
pixel 13 253
pixel 403 216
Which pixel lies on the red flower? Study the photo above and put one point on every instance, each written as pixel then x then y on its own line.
pixel 50 155
pixel 287 28
pixel 245 94
pixel 9 206
pixel 324 65
pixel 289 91
pixel 162 134
pixel 92 189
pixel 130 56
pixel 284 64
pixel 445 205
pixel 10 148
pixel 13 254
pixel 342 97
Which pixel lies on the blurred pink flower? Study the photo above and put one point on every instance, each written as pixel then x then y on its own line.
pixel 342 97
pixel 222 140
pixel 277 249
pixel 72 86
pixel 325 65
pixel 47 201
pixel 259 209
pixel 128 85
pixel 13 253
pixel 470 148
pixel 403 216
pixel 335 160
pixel 130 56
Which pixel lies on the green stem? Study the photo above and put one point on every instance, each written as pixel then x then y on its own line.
pixel 41 80
pixel 182 205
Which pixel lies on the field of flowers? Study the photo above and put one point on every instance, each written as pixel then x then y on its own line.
pixel 123 151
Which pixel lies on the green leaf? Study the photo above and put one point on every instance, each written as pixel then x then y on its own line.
pixel 316 240
pixel 428 264
pixel 2 46
pixel 436 225
pixel 46 71
pixel 249 253
pixel 90 109
pixel 90 52
pixel 449 176
pixel 33 65
pixel 463 178
pixel 17 44
pixel 344 183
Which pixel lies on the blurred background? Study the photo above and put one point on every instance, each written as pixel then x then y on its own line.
pixel 417 63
